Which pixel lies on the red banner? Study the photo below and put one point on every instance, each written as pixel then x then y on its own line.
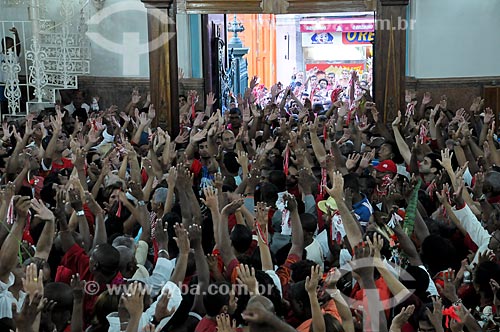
pixel 337 68
pixel 337 25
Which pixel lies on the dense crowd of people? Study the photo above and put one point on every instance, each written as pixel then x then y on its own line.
pixel 296 209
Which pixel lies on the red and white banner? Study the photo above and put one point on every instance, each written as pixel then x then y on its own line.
pixel 318 25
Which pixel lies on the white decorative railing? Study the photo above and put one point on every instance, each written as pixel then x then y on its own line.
pixel 54 51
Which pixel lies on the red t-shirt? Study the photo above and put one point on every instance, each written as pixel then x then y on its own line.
pixel 66 163
pixel 206 325
pixel 74 261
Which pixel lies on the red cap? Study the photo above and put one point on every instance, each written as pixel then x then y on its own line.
pixel 387 166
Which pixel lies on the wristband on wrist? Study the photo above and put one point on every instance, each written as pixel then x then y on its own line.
pixel 80 213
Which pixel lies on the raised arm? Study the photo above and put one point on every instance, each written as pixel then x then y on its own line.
pixel 351 226
pixel 223 240
pixel 10 247
pixel 263 236
pixel 201 267
pixel 311 285
pixel 182 241
pixel 44 244
pixel 400 141
pixel 297 232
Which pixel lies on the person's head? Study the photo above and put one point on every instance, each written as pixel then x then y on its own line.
pixel 385 171
pixel 491 186
pixel 299 77
pixel 484 273
pixel 299 301
pixel 60 315
pixel 106 303
pixel 309 224
pixel 231 163
pixel 323 83
pixel 159 199
pixel 220 299
pixel 128 263
pixel 235 117
pixel 314 79
pixel 241 238
pixel 266 99
pixel 301 270
pixel 317 100
pixel 387 151
pixel 424 324
pixel 104 262
pixel 203 149
pixel 124 240
pixel 367 184
pixel 447 253
pixel 228 140
pixel 182 100
pixel 7 44
pixel 332 324
pixel 429 164
pixel 278 178
pixel 112 192
pixel 41 264
pixel 331 78
pixel 78 98
pixel 267 193
pixel 30 154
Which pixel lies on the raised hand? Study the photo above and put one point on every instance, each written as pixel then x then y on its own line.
pixel 397 120
pixel 162 310
pixel 402 318
pixel 290 202
pixel 32 305
pixel 246 276
pixel 22 205
pixel 448 290
pixel 199 135
pixel 136 190
pixel 352 161
pixel 337 189
pixel 133 301
pixel 33 282
pixel 161 234
pixel 211 198
pixel 224 323
pixel 436 316
pixel 311 284
pixel 232 207
pixel 375 245
pixel 181 238
pixel 427 98
pixel 445 161
pixel 195 234
pixel 211 100
pixel 42 212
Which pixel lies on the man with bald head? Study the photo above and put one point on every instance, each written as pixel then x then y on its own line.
pixel 131 269
pixel 261 316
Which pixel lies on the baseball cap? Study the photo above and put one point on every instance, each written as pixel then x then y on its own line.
pixel 387 166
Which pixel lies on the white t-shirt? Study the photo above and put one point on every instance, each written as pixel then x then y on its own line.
pixel 71 108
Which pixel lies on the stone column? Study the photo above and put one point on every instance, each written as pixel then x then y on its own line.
pixel 163 63
pixel 389 65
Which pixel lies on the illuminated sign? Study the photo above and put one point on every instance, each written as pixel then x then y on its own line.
pixel 358 37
